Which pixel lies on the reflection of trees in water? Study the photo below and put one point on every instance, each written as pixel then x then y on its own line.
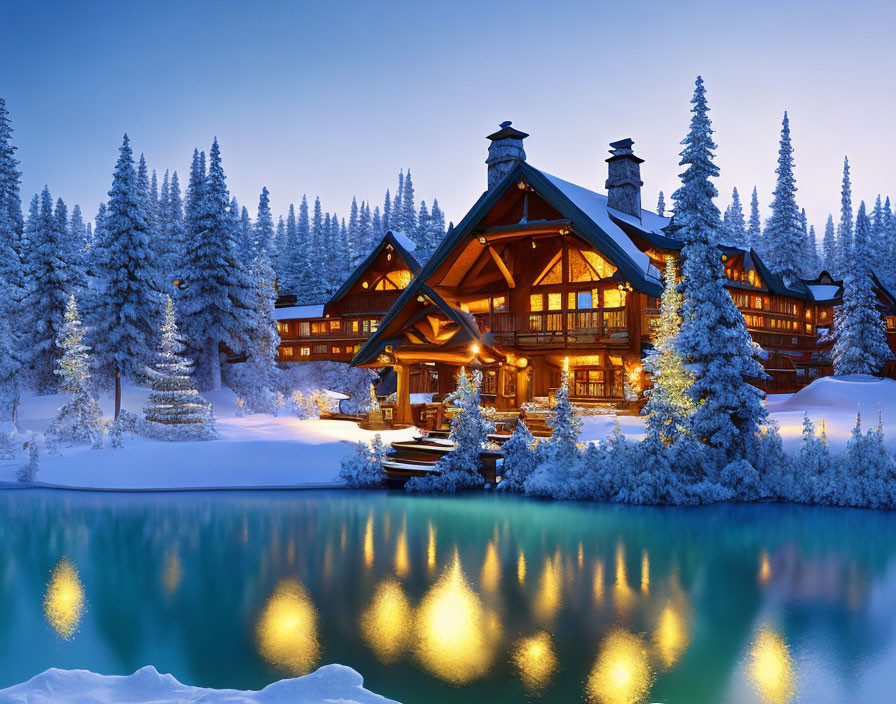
pixel 233 549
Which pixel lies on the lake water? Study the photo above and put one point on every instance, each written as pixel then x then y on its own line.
pixel 473 599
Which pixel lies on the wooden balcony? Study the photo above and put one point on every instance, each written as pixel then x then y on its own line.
pixel 581 327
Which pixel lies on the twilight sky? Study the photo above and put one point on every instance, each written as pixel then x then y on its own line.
pixel 332 98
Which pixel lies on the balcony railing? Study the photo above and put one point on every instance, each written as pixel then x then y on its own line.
pixel 547 327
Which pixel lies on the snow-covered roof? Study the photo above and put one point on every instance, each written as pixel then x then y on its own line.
pixel 823 292
pixel 404 240
pixel 594 205
pixel 290 312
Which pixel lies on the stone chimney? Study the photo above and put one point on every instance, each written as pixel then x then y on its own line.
pixel 624 182
pixel 505 151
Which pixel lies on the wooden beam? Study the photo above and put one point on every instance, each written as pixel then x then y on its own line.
pixel 502 266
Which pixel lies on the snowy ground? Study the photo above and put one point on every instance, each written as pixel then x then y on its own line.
pixel 264 451
pixel 329 684
pixel 253 451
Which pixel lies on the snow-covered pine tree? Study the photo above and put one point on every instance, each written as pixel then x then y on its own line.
pixel 814 463
pixel 519 459
pixel 376 226
pixel 173 234
pixel 358 248
pixel 735 223
pixel 365 469
pixel 175 410
pixel 844 229
pixel 713 340
pixel 661 205
pixel 470 427
pixel 436 227
pixel 876 251
pixel 79 421
pixel 889 244
pixel 387 215
pixel 860 336
pixel 422 233
pixel 195 187
pixel 365 232
pixel 126 314
pixel 291 255
pixel 865 476
pixel 315 280
pixel 754 226
pixel 829 246
pixel 783 238
pixel 669 405
pixel 47 287
pixel 812 261
pixel 218 301
pixel 408 209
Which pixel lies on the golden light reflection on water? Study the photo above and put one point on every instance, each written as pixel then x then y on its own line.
pixel 645 573
pixel 550 589
pixel 521 568
pixel 621 673
pixel 457 637
pixel 765 568
pixel 431 549
pixel 598 582
pixel 387 624
pixel 368 541
pixel 673 634
pixel 622 592
pixel 581 555
pixel 172 572
pixel 770 668
pixel 535 660
pixel 402 562
pixel 287 630
pixel 491 568
pixel 64 602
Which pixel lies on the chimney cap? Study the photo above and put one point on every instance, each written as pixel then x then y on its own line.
pixel 507 132
pixel 622 149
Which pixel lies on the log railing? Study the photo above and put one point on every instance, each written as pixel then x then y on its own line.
pixel 556 327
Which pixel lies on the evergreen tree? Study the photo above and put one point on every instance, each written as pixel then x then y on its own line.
pixel 844 229
pixel 436 227
pixel 754 228
pixel 365 470
pixel 713 339
pixel 813 263
pixel 735 224
pixel 357 247
pixel 387 216
pixel 315 288
pixel 11 220
pixel 172 235
pixel 860 336
pixel 193 200
pixel 377 229
pixel 365 225
pixel 669 406
pixel 175 410
pixel 127 312
pixel 876 246
pixel 218 300
pixel 784 242
pixel 79 420
pixel 48 286
pixel 829 246
pixel 423 234
pixel 661 205
pixel 291 254
pixel 519 459
pixel 408 209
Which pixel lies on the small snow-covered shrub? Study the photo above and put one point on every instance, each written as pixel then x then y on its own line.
pixel 742 479
pixel 28 472
pixel 7 445
pixel 334 376
pixel 777 470
pixel 310 406
pixel 459 469
pixel 364 470
pixel 519 459
pixel 865 475
pixel 814 464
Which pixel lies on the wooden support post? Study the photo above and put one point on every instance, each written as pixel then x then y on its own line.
pixel 522 387
pixel 403 395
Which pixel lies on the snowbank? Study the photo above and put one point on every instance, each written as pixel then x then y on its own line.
pixel 332 683
pixel 252 451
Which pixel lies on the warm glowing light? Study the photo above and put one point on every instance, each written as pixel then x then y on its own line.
pixel 457 637
pixel 522 362
pixel 599 582
pixel 387 624
pixel 550 589
pixel 291 551
pixel 491 568
pixel 535 660
pixel 431 549
pixel 765 568
pixel 581 555
pixel 521 568
pixel 672 634
pixel 474 348
pixel 64 602
pixel 771 668
pixel 402 562
pixel 172 573
pixel 645 572
pixel 368 541
pixel 621 673
pixel 566 365
pixel 287 629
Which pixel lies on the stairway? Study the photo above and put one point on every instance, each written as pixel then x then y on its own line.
pixel 418 457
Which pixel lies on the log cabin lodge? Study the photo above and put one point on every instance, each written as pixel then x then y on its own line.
pixel 541 270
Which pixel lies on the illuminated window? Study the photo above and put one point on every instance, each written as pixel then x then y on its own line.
pixel 335 325
pixel 588 266
pixel 304 329
pixel 320 349
pixel 555 301
pixel 614 298
pixel 305 351
pixel 336 350
pixel 758 303
pixel 499 304
pixel 536 303
pixel 370 326
pixel 584 299
pixel 552 273
pixel 615 361
pixel 282 327
pixel 355 325
pixel 318 328
pixel 286 351
pixel 476 307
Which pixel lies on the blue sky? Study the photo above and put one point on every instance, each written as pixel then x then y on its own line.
pixel 332 98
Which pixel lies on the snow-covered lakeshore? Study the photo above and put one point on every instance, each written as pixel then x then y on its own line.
pixel 263 451
pixel 331 683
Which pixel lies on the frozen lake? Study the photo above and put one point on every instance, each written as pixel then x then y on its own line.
pixel 479 598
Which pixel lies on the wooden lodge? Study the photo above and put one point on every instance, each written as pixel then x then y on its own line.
pixel 541 270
